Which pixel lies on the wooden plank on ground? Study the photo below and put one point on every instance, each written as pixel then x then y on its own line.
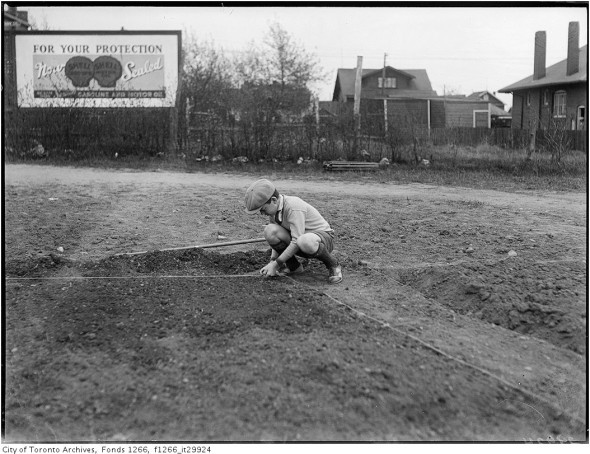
pixel 350 165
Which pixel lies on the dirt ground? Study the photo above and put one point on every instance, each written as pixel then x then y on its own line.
pixel 462 315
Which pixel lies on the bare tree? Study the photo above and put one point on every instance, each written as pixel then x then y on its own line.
pixel 206 75
pixel 273 77
pixel 557 140
pixel 289 62
pixel 251 67
pixel 40 24
pixel 280 60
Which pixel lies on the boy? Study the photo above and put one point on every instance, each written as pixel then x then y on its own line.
pixel 295 228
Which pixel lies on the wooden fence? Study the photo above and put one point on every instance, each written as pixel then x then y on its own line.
pixel 89 132
pixel 94 132
pixel 505 137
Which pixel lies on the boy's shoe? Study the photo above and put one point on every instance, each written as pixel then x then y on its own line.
pixel 335 275
pixel 285 271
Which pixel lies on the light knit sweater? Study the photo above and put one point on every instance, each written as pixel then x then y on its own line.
pixel 298 217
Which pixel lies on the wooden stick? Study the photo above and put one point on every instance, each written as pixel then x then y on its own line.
pixel 198 246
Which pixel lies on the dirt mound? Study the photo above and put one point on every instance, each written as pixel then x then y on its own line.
pixel 34 266
pixel 189 261
pixel 540 300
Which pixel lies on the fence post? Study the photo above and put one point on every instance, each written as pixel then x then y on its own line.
pixel 172 147
pixel 317 115
pixel 357 102
pixel 532 140
pixel 428 115
pixel 385 115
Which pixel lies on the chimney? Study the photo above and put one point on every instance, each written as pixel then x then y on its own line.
pixel 573 48
pixel 540 54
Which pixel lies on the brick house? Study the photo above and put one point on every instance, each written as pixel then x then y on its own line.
pixel 554 95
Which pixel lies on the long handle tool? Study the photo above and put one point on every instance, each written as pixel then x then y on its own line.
pixel 199 246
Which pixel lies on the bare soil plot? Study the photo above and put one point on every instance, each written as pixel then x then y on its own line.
pixel 437 333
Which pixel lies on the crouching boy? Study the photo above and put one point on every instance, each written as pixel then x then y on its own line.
pixel 295 229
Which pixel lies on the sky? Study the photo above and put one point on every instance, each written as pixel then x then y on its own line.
pixel 463 49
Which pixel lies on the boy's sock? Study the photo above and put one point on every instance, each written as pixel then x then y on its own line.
pixel 325 257
pixel 292 263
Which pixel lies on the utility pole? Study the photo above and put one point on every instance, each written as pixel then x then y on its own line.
pixel 357 102
pixel 383 93
pixel 383 76
pixel 385 121
pixel 445 103
pixel 317 125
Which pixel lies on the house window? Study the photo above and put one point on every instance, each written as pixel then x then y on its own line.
pixel 528 98
pixel 581 118
pixel 559 99
pixel 390 82
pixel 546 98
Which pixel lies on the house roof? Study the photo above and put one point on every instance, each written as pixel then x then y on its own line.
pixel 496 111
pixel 380 71
pixel 418 80
pixel 554 75
pixel 20 17
pixel 480 94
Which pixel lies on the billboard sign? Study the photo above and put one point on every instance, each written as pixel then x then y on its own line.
pixel 97 69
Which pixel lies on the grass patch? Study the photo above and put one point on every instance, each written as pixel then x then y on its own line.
pixel 481 167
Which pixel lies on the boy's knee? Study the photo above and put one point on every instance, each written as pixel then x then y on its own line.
pixel 274 233
pixel 270 232
pixel 308 243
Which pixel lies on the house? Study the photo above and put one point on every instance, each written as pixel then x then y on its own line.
pixel 400 95
pixel 406 98
pixel 12 20
pixel 397 83
pixel 487 97
pixel 499 118
pixel 555 95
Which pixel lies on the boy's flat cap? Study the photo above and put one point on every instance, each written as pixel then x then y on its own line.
pixel 257 195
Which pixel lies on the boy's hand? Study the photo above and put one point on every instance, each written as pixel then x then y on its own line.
pixel 272 269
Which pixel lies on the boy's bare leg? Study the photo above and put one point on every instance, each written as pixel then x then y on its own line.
pixel 279 239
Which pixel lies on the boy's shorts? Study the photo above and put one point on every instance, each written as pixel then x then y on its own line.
pixel 327 238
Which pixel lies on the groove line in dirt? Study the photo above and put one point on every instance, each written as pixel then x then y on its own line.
pixel 485 372
pixel 462 262
pixel 131 277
